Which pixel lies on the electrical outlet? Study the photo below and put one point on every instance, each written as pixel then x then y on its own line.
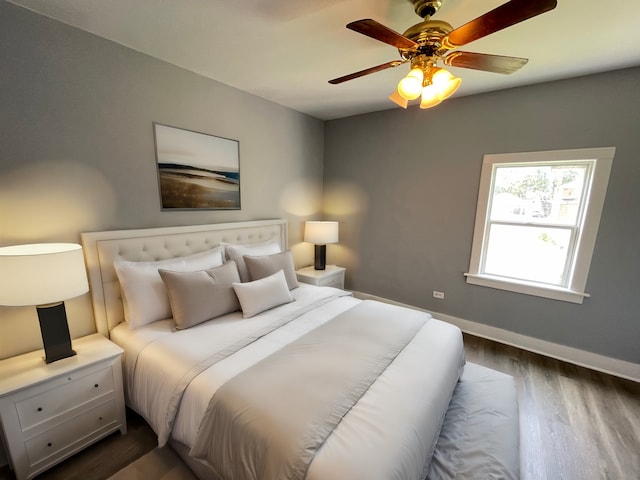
pixel 437 294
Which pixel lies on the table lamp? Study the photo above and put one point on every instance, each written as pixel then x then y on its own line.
pixel 44 275
pixel 320 233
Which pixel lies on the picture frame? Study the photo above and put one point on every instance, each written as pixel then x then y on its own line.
pixel 196 171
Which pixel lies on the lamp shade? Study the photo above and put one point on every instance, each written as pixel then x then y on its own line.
pixel 321 233
pixel 445 83
pixel 429 97
pixel 398 99
pixel 410 86
pixel 41 274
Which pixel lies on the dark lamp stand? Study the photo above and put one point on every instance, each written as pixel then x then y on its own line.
pixel 320 257
pixel 55 332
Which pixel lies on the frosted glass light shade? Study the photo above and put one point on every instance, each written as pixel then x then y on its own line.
pixel 430 97
pixel 321 233
pixel 398 99
pixel 446 84
pixel 41 274
pixel 410 86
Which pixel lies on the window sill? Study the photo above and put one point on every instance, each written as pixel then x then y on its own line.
pixel 555 293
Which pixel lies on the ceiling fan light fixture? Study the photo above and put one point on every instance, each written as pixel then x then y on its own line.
pixel 430 97
pixel 398 99
pixel 410 87
pixel 432 41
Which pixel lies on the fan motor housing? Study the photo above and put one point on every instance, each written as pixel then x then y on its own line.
pixel 428 35
pixel 426 8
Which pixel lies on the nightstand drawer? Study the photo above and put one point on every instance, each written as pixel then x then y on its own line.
pixel 332 276
pixel 336 281
pixel 71 432
pixel 70 391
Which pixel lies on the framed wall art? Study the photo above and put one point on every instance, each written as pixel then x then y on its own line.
pixel 197 170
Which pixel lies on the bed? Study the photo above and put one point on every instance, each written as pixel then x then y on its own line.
pixel 293 381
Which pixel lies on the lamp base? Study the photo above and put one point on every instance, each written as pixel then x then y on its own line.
pixel 55 332
pixel 320 257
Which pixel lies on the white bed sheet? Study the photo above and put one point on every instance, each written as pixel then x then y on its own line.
pixel 389 434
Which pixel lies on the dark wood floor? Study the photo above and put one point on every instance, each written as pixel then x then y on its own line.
pixel 576 424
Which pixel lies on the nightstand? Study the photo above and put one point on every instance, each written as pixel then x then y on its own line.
pixel 51 411
pixel 332 276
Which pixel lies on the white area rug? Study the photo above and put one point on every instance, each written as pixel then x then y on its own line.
pixel 158 464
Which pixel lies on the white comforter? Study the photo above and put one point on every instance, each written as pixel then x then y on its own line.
pixel 389 434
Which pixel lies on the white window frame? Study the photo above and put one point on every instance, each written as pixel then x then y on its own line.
pixel 588 229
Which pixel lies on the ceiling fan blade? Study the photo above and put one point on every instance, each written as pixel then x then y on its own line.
pixel 376 30
pixel 504 16
pixel 362 73
pixel 486 62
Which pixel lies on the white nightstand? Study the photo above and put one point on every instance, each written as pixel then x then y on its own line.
pixel 51 411
pixel 332 276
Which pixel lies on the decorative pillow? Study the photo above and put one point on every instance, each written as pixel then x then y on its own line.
pixel 196 297
pixel 237 252
pixel 265 265
pixel 263 294
pixel 143 292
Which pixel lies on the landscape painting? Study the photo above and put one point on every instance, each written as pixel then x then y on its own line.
pixel 197 170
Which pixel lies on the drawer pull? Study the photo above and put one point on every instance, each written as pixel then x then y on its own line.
pixel 96 385
pixel 49 444
pixel 39 409
pixel 100 418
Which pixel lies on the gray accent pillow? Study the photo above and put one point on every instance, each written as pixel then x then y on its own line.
pixel 265 265
pixel 237 253
pixel 144 295
pixel 196 297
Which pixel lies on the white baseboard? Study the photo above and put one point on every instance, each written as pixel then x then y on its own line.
pixel 594 361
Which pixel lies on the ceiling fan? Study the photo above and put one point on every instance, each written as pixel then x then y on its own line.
pixel 425 44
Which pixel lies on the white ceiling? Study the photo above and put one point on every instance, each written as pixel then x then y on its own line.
pixel 287 50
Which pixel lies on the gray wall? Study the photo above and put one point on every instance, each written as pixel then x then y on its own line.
pixel 404 184
pixel 77 152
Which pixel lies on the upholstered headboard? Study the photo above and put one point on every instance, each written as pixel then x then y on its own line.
pixel 102 248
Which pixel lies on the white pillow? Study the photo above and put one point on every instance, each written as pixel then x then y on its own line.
pixel 263 294
pixel 237 252
pixel 144 294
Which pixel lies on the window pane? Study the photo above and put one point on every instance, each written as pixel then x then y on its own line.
pixel 538 194
pixel 536 254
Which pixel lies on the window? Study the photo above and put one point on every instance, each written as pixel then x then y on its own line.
pixel 537 221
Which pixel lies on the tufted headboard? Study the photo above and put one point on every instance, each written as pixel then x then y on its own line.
pixel 150 244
